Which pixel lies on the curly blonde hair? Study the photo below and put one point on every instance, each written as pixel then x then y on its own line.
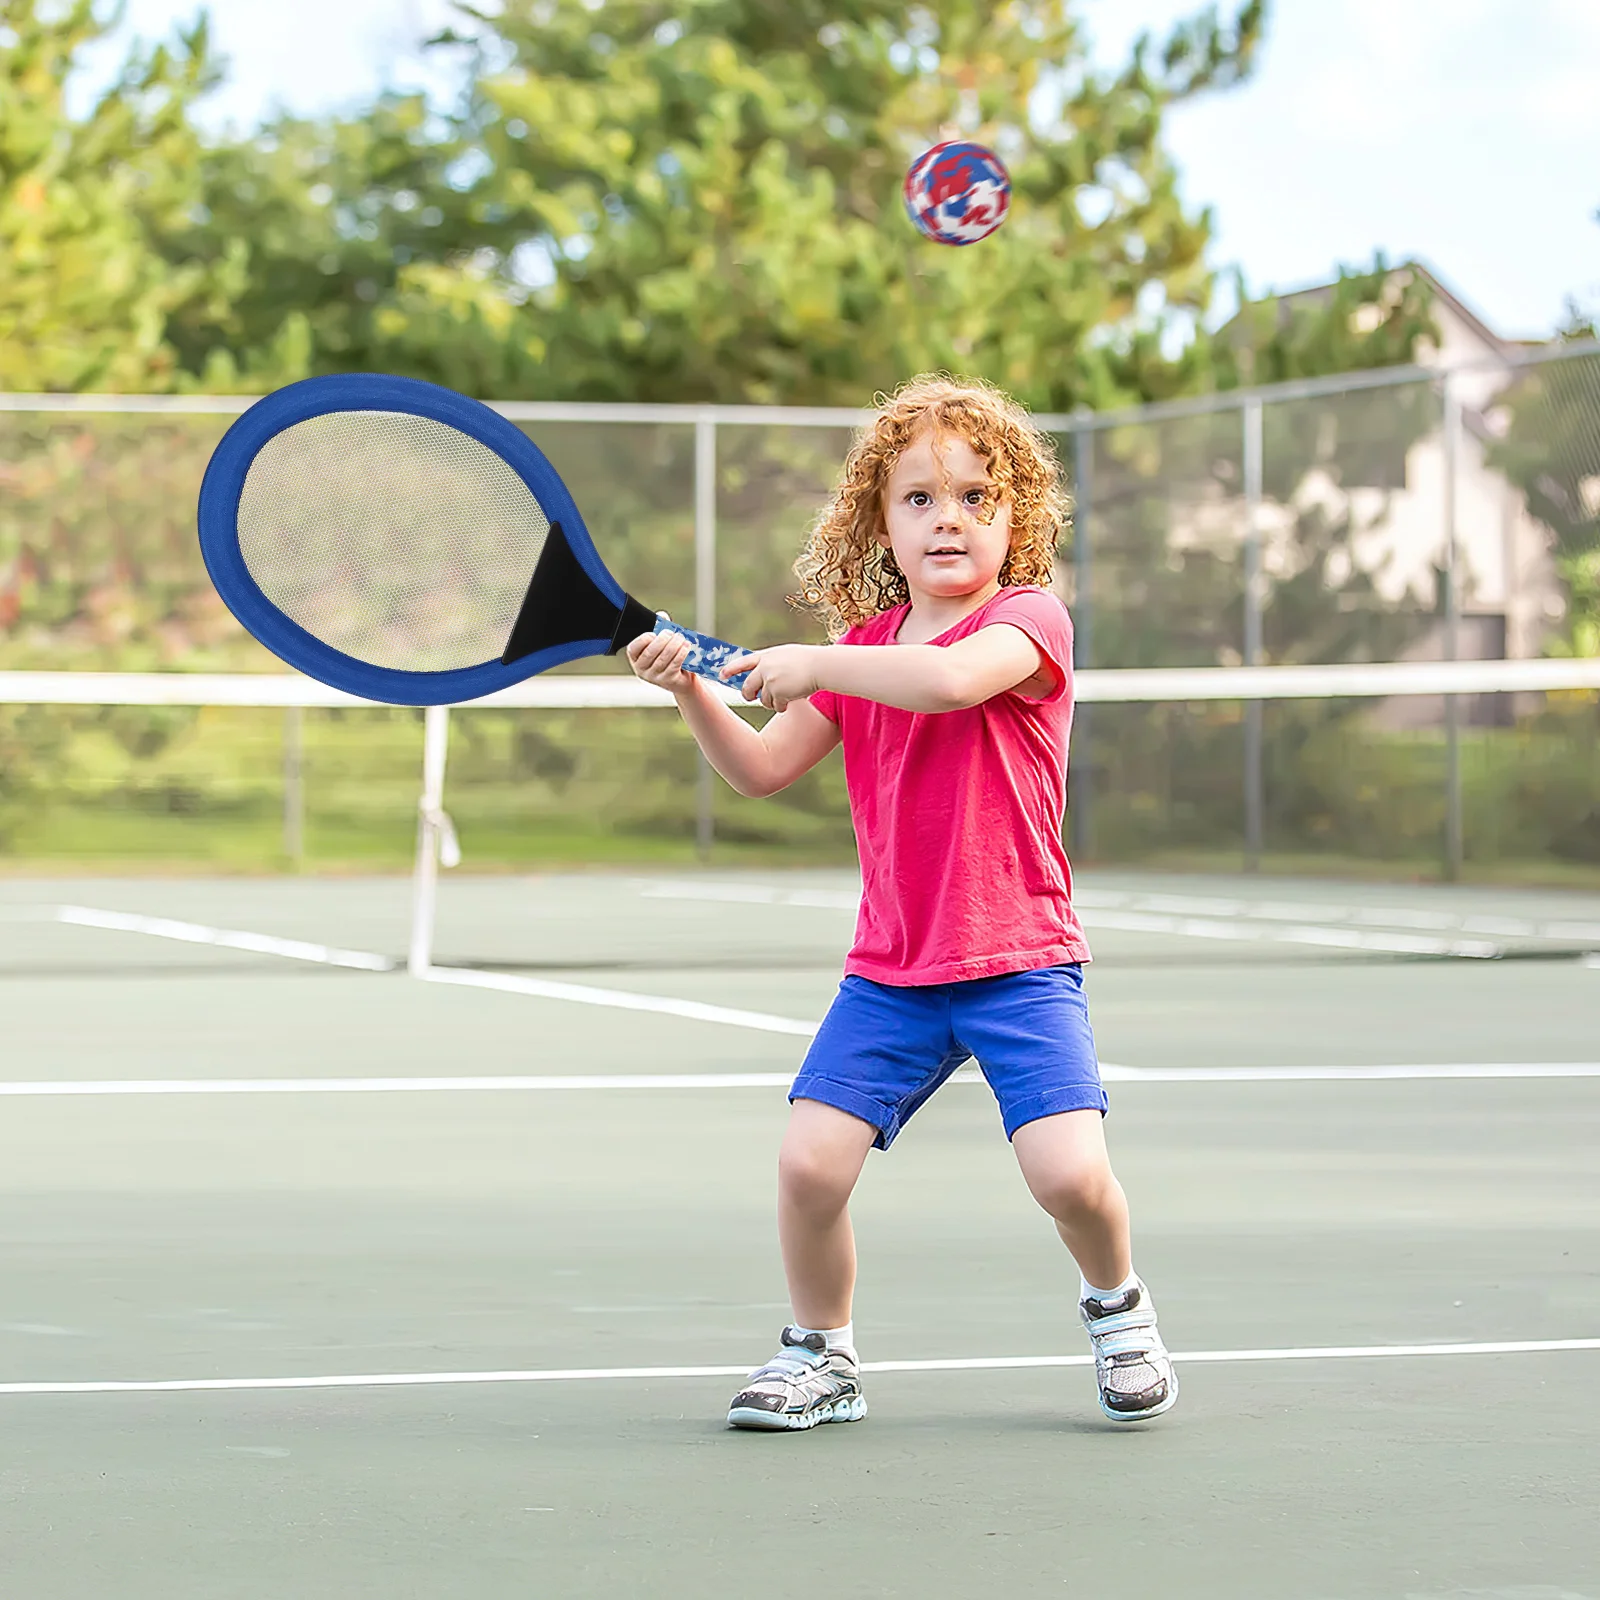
pixel 847 576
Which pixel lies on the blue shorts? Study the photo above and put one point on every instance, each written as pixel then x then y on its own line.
pixel 882 1050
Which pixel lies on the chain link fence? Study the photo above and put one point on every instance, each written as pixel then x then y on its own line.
pixel 1395 515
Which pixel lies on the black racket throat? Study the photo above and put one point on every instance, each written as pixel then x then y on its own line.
pixel 564 606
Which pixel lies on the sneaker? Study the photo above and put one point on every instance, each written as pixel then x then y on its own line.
pixel 804 1384
pixel 1131 1364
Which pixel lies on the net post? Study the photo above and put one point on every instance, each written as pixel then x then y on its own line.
pixel 1081 798
pixel 1454 841
pixel 425 885
pixel 1254 784
pixel 705 606
pixel 294 795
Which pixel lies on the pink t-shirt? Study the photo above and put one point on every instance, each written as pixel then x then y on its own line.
pixel 958 815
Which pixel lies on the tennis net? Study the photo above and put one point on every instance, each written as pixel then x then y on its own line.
pixel 1427 770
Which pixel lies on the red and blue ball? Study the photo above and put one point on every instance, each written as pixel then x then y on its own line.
pixel 957 192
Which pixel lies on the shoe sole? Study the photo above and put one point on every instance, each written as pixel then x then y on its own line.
pixel 851 1409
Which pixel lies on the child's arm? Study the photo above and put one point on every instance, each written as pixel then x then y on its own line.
pixel 756 761
pixel 914 677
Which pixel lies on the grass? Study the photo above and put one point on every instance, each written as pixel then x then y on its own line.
pixel 81 838
pixel 163 790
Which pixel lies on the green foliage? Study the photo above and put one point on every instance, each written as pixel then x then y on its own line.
pixel 699 200
pixel 707 196
pixel 685 201
pixel 694 200
pixel 1368 317
pixel 33 741
pixel 85 298
pixel 99 565
pixel 1551 451
pixel 83 784
pixel 1343 785
pixel 334 215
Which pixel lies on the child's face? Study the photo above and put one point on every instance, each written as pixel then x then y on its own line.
pixel 948 526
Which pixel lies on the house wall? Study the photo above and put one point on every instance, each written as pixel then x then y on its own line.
pixel 1507 576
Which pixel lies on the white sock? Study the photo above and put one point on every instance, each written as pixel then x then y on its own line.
pixel 1087 1291
pixel 838 1338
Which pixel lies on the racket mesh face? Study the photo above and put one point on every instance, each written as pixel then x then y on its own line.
pixel 399 540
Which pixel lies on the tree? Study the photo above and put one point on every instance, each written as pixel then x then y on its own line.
pixel 85 299
pixel 696 200
pixel 332 214
pixel 1551 451
pixel 701 200
pixel 1367 317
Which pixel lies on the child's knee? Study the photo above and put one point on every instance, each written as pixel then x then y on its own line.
pixel 815 1176
pixel 1077 1191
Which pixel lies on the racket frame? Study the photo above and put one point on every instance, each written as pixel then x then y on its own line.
pixel 223 488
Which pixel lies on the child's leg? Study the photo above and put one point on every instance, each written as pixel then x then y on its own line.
pixel 820 1160
pixel 812 1379
pixel 1063 1158
pixel 880 1052
pixel 1067 1169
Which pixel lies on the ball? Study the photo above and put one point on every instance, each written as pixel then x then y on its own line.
pixel 957 192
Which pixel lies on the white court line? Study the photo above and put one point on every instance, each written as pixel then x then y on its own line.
pixel 1193 927
pixel 692 1010
pixel 395 1380
pixel 602 1082
pixel 1327 938
pixel 750 894
pixel 1201 917
pixel 543 988
pixel 1366 1074
pixel 619 999
pixel 1365 916
pixel 225 938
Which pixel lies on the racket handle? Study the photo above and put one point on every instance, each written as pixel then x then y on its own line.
pixel 708 655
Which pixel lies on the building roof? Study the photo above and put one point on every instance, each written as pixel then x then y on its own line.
pixel 1443 294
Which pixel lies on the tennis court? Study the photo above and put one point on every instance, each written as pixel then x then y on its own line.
pixel 322 1279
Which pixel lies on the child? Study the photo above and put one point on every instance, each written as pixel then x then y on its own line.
pixel 950 687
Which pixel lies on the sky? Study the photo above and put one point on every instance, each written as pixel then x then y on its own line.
pixel 1463 133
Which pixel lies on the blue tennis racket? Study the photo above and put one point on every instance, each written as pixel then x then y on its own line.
pixel 406 544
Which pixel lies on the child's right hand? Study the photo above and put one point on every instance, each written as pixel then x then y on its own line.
pixel 658 658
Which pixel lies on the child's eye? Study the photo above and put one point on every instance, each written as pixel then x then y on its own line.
pixel 919 497
pixel 976 497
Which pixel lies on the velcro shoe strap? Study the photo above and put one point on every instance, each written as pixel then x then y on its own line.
pixel 792 1363
pixel 1141 1340
pixel 1142 1316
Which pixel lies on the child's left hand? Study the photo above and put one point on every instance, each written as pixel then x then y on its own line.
pixel 785 673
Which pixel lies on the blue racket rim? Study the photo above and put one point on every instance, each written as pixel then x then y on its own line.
pixel 223 487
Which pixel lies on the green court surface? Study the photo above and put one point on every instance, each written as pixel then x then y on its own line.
pixel 499 1322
